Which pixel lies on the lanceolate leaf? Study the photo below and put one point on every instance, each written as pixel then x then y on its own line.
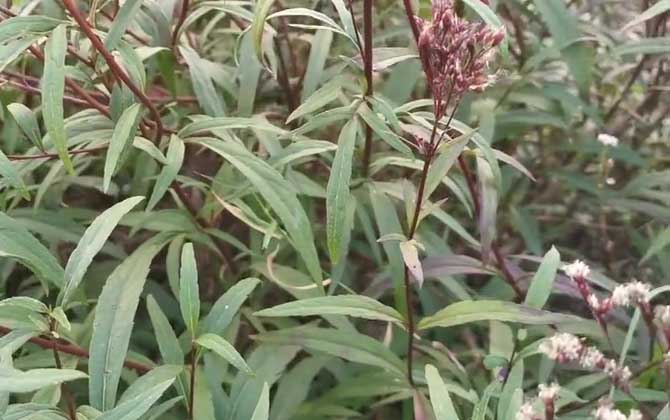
pixel 27 121
pixel 351 346
pixel 439 396
pixel 113 322
pixel 9 173
pixel 134 408
pixel 13 380
pixel 338 190
pixel 175 157
pixel 262 410
pixel 279 194
pixel 258 26
pixel 543 280
pixel 225 308
pixel 351 305
pixel 91 243
pixel 224 349
pixel 483 310
pixel 17 243
pixel 203 87
pixel 123 19
pixel 53 88
pixel 122 137
pixel 189 299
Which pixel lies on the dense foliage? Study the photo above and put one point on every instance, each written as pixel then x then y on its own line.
pixel 313 209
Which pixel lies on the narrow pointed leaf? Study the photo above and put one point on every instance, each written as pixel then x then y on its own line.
pixel 12 176
pixel 224 349
pixel 53 88
pixel 91 243
pixel 112 324
pixel 262 410
pixel 189 300
pixel 337 191
pixel 543 280
pixel 134 408
pixel 122 137
pixel 352 305
pixel 484 310
pixel 27 122
pixel 13 380
pixel 224 309
pixel 175 157
pixel 443 407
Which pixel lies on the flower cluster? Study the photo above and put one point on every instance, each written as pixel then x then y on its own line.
pixel 606 411
pixel 633 293
pixel 565 348
pixel 455 54
pixel 608 140
pixel 577 269
pixel 547 394
pixel 662 315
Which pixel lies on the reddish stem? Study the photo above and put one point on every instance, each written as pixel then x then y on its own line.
pixel 180 22
pixel 367 57
pixel 118 72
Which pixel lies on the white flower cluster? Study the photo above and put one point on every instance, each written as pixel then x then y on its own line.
pixel 662 314
pixel 606 411
pixel 632 293
pixel 608 140
pixel 578 269
pixel 548 392
pixel 526 412
pixel 565 347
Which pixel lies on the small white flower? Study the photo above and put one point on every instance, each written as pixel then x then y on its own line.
pixel 606 411
pixel 594 303
pixel 563 346
pixel 608 140
pixel 548 392
pixel 632 293
pixel 610 181
pixel 662 314
pixel 577 269
pixel 618 375
pixel 635 415
pixel 526 412
pixel 591 358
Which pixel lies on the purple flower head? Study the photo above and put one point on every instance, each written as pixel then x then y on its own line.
pixel 455 54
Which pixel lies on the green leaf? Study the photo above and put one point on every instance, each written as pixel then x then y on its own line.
pixel 13 380
pixel 175 158
pixel 122 21
pixel 53 88
pixel 9 172
pixel 565 31
pixel 485 310
pixel 348 345
pixel 261 11
pixel 203 86
pixel 228 123
pixel 153 378
pixel 383 131
pixel 543 280
pixel 26 303
pixel 337 191
pixel 225 308
pixel 189 298
pixel 122 137
pixel 17 243
pixel 27 122
pixel 279 194
pixel 357 306
pixel 656 9
pixel 658 45
pixel 489 205
pixel 322 97
pixel 20 26
pixel 318 54
pixel 168 344
pixel 262 410
pixel 439 395
pixel 136 407
pixel 91 243
pixel 59 315
pixel 658 244
pixel 224 349
pixel 113 321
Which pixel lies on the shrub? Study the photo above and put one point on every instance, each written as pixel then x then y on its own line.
pixel 334 209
